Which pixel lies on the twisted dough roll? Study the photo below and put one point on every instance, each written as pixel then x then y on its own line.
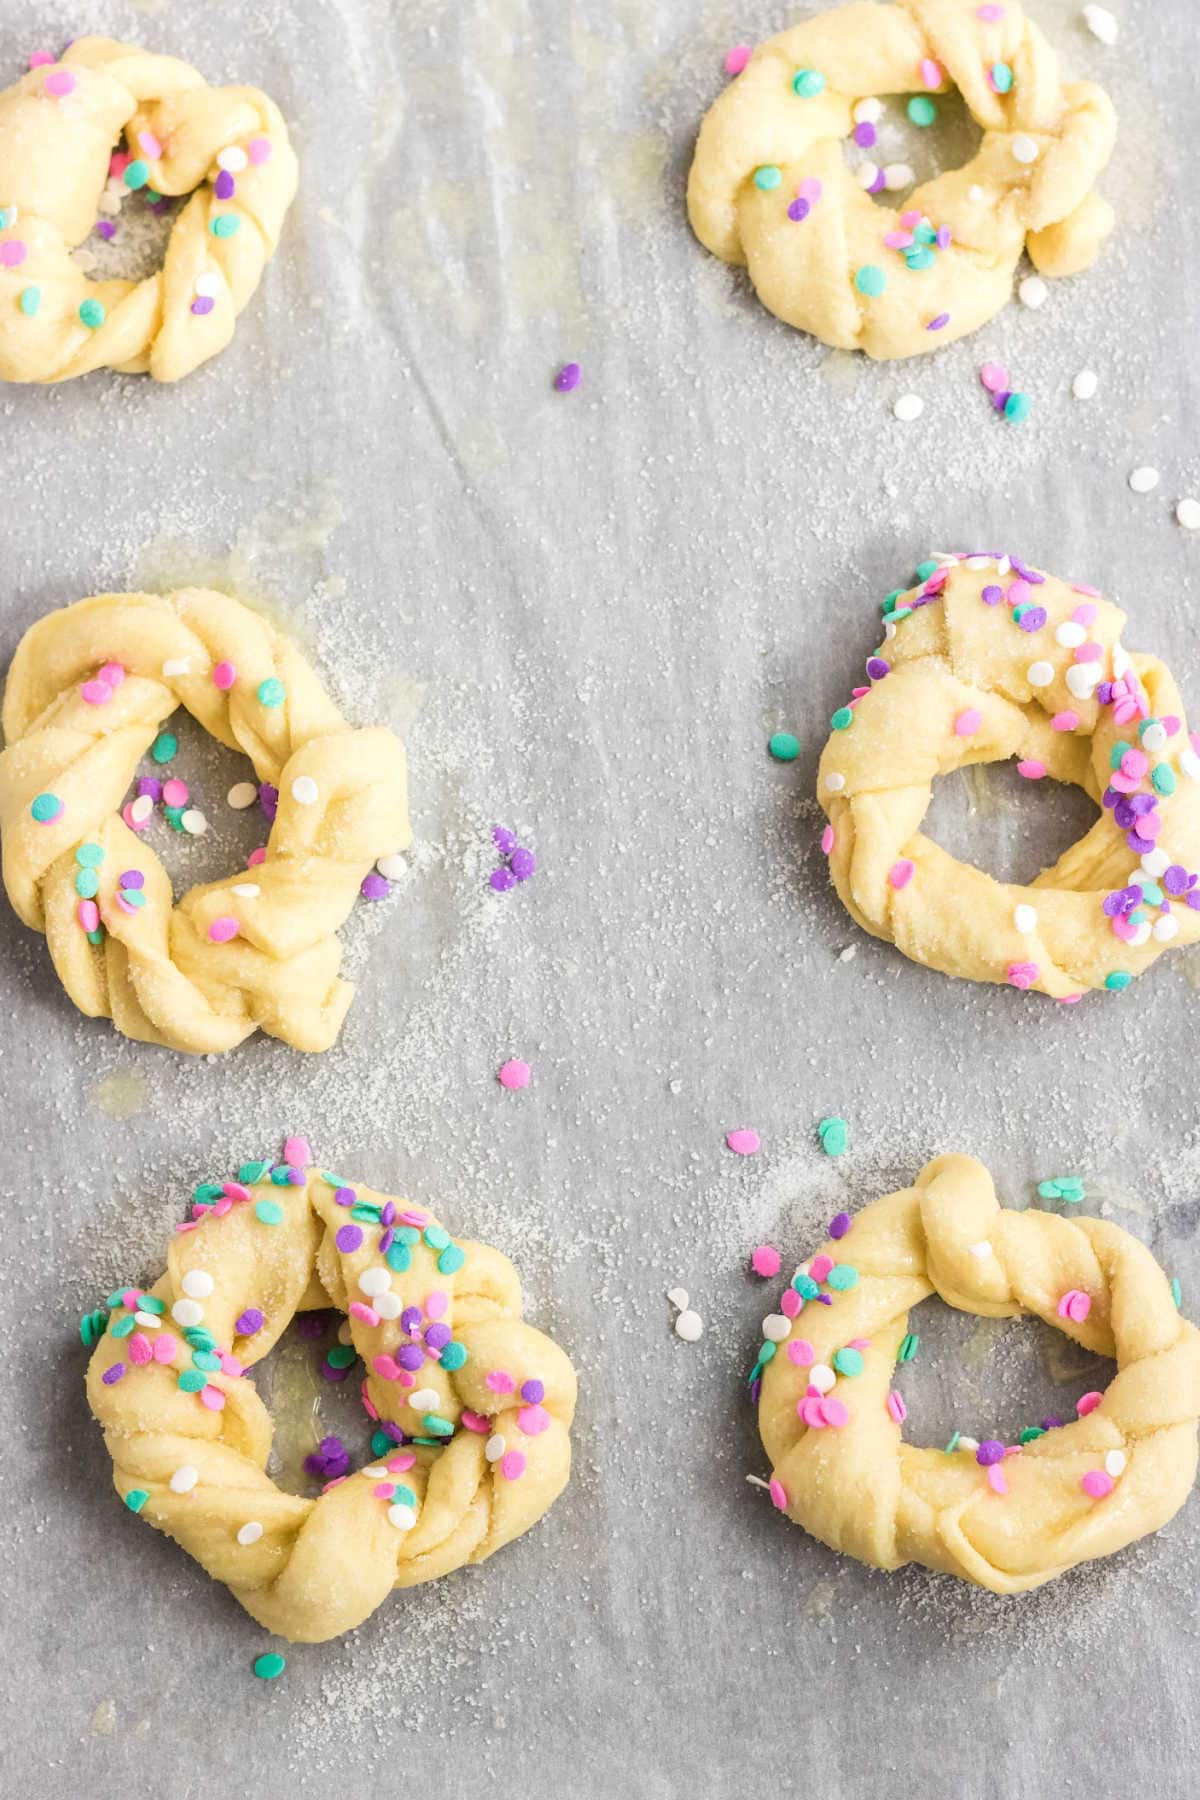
pixel 320 1567
pixel 862 1490
pixel 1028 187
pixel 987 659
pixel 258 951
pixel 58 127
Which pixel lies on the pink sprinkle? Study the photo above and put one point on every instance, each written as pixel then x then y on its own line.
pixel 139 1348
pixel 118 162
pixel 1088 1403
pixel 766 1261
pixel 1075 1304
pixel 931 74
pixel 60 84
pixel 471 1421
pixel 860 1343
pixel 1065 721
pixel 406 1459
pixel 968 722
pixel 135 824
pixel 213 1398
pixel 412 1215
pixel 366 1315
pixel 150 145
pixel 224 675
pixel 911 217
pixel 1019 593
pixel 827 840
pixel 897 240
pixel 834 1412
pixel 89 914
pixel 165 1346
pixel 897 1408
pixel 175 792
pixel 235 1190
pixel 533 1420
pixel 1097 1485
pixel 336 1482
pixel 256 857
pixel 1090 652
pixel 809 1410
pixel 298 1152
pixel 743 1143
pixel 820 1266
pixel 386 1366
pixel 989 13
pixel 790 1303
pixel 230 1364
pixel 1125 711
pixel 514 1073
pixel 810 189
pixel 259 150
pixel 500 1381
pixel 40 59
pixel 221 930
pixel 737 58
pixel 1022 975
pixel 96 693
pixel 221 1208
pixel 112 674
pixel 369 1406
pixel 383 1490
pixel 437 1304
pixel 13 252
pixel 1031 768
pixel 994 377
pixel 778 1493
pixel 996 1479
pixel 512 1465
pixel 902 872
pixel 1135 763
pixel 801 1352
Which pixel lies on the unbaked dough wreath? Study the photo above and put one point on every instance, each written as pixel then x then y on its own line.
pixel 87 693
pixel 1006 1516
pixel 226 146
pixel 770 188
pixel 988 658
pixel 477 1403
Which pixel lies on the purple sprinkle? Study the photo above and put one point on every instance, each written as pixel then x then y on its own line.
pixel 249 1322
pixel 504 840
pixel 568 378
pixel 501 880
pixel 224 185
pixel 522 863
pixel 393 1431
pixel 387 1238
pixel 1141 846
pixel 149 784
pixel 944 237
pixel 344 1196
pixel 877 668
pixel 1051 1424
pixel 1142 804
pixel 203 303
pixel 132 878
pixel 878 185
pixel 865 134
pixel 533 1391
pixel 990 1451
pixel 1001 400
pixel 113 1374
pixel 332 1374
pixel 105 229
pixel 799 210
pixel 437 1337
pixel 375 886
pixel 387 1213
pixel 1026 573
pixel 1123 815
pixel 825 1299
pixel 410 1356
pixel 1193 899
pixel 349 1237
pixel 755 1390
pixel 1104 693
pixel 312 1324
pixel 296 1178
pixel 1033 618
pixel 410 1318
pixel 938 324
pixel 268 799
pixel 839 1225
pixel 1176 879
pixel 1110 799
pixel 1112 905
pixel 992 595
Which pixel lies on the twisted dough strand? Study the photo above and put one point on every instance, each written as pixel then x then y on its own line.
pixel 995 207
pixel 322 1566
pixel 862 1490
pixel 54 158
pixel 158 974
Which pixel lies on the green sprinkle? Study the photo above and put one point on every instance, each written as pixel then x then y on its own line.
pixel 902 612
pixel 135 1499
pixel 334 1181
pixel 362 1209
pixel 923 571
pixel 428 1442
pixel 199 1337
pixel 174 816
pixel 225 225
pixel 888 605
pixel 784 747
pixel 87 884
pixel 437 1428
pixel 31 299
pixel 92 314
pixel 451 1260
pixel 1118 981
pixel 842 719
pixel 1017 407
pixel 834 1134
pixel 1117 752
pixel 1163 779
pixel 152 194
pixel 270 1666
pixel 848 1361
pixel 46 808
pixel 252 1172
pixel 952 1446
pixel 207 1192
pixel 164 747
pixel 134 897
pixel 1062 1187
pixel 97 936
pixel 805 1286
pixel 91 1327
pixel 152 1304
pixel 808 83
pixel 341 1356
pixel 925 234
pixel 403 1495
pixel 192 1380
pixel 117 1297
pixel 920 258
pixel 870 280
pixel 910 1343
pixel 1002 77
pixel 842 1277
pixel 208 1360
pixel 766 1351
pixel 271 692
pixel 453 1356
pixel 89 856
pixel 921 110
pixel 121 1328
pixel 767 177
pixel 398 1257
pixel 137 174
pixel 1030 1433
pixel 269 1211
pixel 382 1444
pixel 1176 1292
pixel 436 1236
pixel 279 1176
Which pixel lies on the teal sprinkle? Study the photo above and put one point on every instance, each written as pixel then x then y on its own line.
pixel 46 808
pixel 97 936
pixel 152 1304
pixel 925 570
pixel 848 1361
pixel 1118 981
pixel 437 1428
pixel 1176 1292
pixel 135 897
pixel 842 719
pixel 925 234
pixel 208 1191
pixel 919 259
pixel 117 1297
pixel 403 1495
pixel 436 1236
pixel 31 299
pixel 192 1380
pixel 279 1176
pixel 269 1212
pixel 207 1360
pixel 225 225
pixel 334 1181
pixel 952 1446
pixel 91 1327
pixel 87 884
pixel 1062 1187
pixel 137 174
pixel 430 1443
pixel 902 612
pixel 842 1277
pixel 870 280
pixel 453 1356
pixel 408 1234
pixel 808 83
pixel 121 1328
pixel 767 178
pixel 174 816
pixel 834 1134
pixel 1017 407
pixel 362 1209
pixel 1116 753
pixel 1018 612
pixel 252 1172
pixel 1002 77
pixel 910 1343
pixel 451 1260
pixel 398 1257
pixel 1138 916
pixel 921 110
pixel 89 856
pixel 1163 779
pixel 135 1499
pixel 199 1337
pixel 271 692
pixel 1152 894
pixel 382 1444
pixel 91 314
pixel 805 1286
pixel 164 747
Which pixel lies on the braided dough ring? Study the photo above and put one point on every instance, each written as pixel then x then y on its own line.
pixel 987 659
pixel 258 951
pixel 769 187
pixel 189 1437
pixel 59 126
pixel 1005 1521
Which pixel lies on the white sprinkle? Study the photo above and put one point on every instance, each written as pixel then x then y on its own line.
pixel 1070 635
pixel 1085 384
pixel 194 822
pixel 109 202
pixel 304 790
pixel 835 782
pixel 177 665
pixel 1155 863
pixel 375 1280
pixel 1154 736
pixel 1144 480
pixel 1101 23
pixel 867 173
pixel 184 1479
pixel 689 1325
pixel 868 112
pixel 141 809
pixel 848 954
pixel 495 1447
pixel 402 1517
pixel 1120 660
pixel 1114 1463
pixel 1033 292
pixel 376 1471
pixel 1166 928
pixel 978 562
pixel 1141 935
pixel 1189 762
pixel 897 175
pixel 967 1443
pixel 150 1321
pixel 209 286
pixel 678 1296
pixel 975 194
pixel 1024 148
pixel 1040 674
pixel 980 1250
pixel 233 158
pixel 1188 514
pixel 389 1306
pixel 242 794
pixel 1025 919
pixel 776 1328
pixel 822 1377
pixel 197 1284
pixel 908 407
pixel 187 1313
pixel 1004 565
pixel 425 1400
pixel 392 867
pixel 1082 678
pixel 246 890
pixel 250 1532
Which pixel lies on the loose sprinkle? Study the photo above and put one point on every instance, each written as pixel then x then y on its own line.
pixel 765 1261
pixel 1102 24
pixel 1144 480
pixel 514 1074
pixel 908 408
pixel 1085 384
pixel 921 110
pixel 270 1666
pixel 743 1142
pixel 784 747
pixel 834 1135
pixel 737 58
pixel 568 378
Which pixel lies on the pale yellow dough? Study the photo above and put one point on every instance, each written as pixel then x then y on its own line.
pixel 158 974
pixel 54 158
pixel 997 206
pixel 862 1490
pixel 320 1567
pixel 955 656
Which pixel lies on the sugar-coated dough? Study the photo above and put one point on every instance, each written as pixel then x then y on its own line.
pixel 59 125
pixel 319 1567
pixel 257 951
pixel 1029 187
pixel 984 660
pixel 1117 1472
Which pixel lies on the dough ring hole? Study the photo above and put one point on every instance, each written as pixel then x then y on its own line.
pixel 899 145
pixel 991 816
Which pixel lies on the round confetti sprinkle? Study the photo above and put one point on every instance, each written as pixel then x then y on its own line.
pixel 908 408
pixel 1085 384
pixel 1033 292
pixel 271 692
pixel 784 747
pixel 1187 514
pixel 737 58
pixel 765 1261
pixel 744 1142
pixel 921 110
pixel 1144 480
pixel 870 280
pixel 808 83
pixel 767 177
pixel 834 1135
pixel 91 314
pixel 568 378
pixel 305 791
pixel 272 1665
pixel 514 1073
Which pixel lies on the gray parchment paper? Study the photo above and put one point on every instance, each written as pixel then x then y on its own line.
pixel 587 614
